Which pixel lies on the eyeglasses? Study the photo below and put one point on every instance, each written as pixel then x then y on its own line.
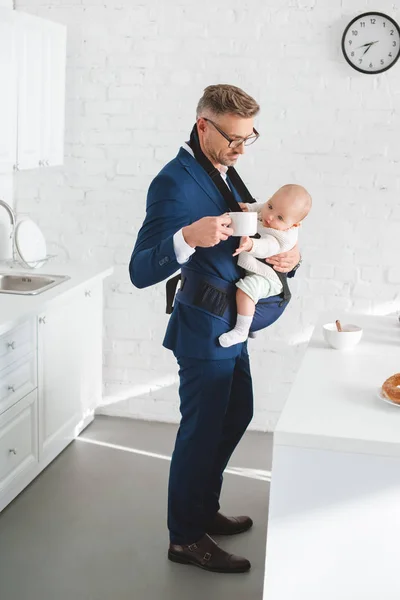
pixel 235 143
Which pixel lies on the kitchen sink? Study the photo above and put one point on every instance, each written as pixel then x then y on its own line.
pixel 28 284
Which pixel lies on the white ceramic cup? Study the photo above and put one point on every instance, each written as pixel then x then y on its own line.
pixel 243 223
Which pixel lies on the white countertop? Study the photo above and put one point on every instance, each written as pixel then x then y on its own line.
pixel 14 307
pixel 334 404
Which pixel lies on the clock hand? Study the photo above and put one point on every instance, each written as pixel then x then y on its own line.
pixel 369 47
pixel 368 44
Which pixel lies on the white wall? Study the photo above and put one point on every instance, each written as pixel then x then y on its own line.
pixel 6 193
pixel 135 73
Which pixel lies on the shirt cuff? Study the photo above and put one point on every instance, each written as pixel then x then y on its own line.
pixel 182 250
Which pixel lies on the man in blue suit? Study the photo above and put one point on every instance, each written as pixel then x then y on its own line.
pixel 187 227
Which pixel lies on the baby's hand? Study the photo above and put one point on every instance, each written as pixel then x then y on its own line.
pixel 246 245
pixel 243 206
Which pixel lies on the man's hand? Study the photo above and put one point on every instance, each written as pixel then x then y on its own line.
pixel 208 231
pixel 246 244
pixel 243 206
pixel 286 261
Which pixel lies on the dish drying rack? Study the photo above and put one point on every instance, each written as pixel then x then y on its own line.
pixel 18 260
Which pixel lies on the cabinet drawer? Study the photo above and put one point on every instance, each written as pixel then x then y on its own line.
pixel 18 440
pixel 17 381
pixel 17 343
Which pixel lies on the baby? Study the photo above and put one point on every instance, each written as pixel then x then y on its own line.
pixel 278 222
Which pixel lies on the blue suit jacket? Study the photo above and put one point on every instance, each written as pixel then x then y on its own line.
pixel 179 195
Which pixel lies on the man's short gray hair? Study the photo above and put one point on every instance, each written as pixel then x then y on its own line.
pixel 224 99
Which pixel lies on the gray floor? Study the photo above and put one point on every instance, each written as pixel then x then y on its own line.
pixel 92 525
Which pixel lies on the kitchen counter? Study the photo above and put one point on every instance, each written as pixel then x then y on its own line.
pixel 334 404
pixel 13 307
pixel 333 523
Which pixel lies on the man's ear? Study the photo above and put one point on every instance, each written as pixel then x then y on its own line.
pixel 201 124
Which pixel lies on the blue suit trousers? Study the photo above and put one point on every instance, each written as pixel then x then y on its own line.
pixel 216 404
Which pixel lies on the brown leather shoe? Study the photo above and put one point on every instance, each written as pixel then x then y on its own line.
pixel 223 525
pixel 207 555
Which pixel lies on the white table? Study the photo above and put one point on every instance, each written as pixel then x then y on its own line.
pixel 334 515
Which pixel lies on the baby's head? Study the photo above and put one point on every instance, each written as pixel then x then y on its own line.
pixel 286 208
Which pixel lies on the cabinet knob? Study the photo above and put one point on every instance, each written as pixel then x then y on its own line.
pixel 16 167
pixel 88 293
pixel 46 162
pixel 42 320
pixel 11 388
pixel 13 451
pixel 41 163
pixel 11 345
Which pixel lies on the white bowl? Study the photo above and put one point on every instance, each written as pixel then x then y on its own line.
pixel 342 340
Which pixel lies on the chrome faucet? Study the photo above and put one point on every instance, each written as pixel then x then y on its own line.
pixel 13 220
pixel 10 211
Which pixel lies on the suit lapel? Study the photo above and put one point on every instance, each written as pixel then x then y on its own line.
pixel 200 176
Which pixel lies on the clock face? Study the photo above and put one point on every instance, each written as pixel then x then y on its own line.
pixel 371 42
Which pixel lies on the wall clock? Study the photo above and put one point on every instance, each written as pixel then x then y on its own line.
pixel 371 42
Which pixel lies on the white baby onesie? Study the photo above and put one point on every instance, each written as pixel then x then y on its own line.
pixel 271 242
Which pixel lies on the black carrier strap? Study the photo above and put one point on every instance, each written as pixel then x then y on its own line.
pixel 230 200
pixel 171 286
pixel 215 175
pixel 285 291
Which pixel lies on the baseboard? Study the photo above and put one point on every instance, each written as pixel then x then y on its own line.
pixel 267 426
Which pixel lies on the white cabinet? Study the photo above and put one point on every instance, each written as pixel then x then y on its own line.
pixel 32 100
pixel 8 95
pixel 29 59
pixel 58 365
pixel 18 365
pixel 50 382
pixel 17 381
pixel 41 59
pixel 18 447
pixel 70 368
pixel 17 343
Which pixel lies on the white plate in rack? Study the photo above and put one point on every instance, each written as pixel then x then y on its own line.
pixel 30 243
pixel 384 399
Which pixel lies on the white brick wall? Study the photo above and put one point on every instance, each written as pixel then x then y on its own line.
pixel 6 192
pixel 135 73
